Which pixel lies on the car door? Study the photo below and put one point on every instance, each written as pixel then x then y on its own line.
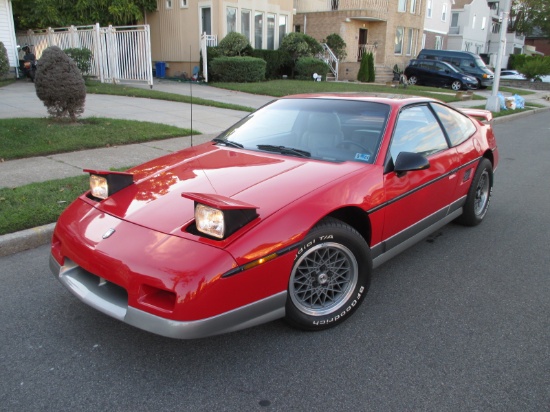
pixel 417 199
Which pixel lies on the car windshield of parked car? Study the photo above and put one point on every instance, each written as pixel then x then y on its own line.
pixel 335 130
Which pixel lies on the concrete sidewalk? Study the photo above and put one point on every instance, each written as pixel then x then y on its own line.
pixel 20 100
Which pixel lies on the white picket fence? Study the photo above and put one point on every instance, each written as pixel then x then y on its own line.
pixel 118 53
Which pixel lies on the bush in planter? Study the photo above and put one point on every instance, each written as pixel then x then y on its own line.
pixel 307 66
pixel 4 61
pixel 82 57
pixel 59 84
pixel 238 69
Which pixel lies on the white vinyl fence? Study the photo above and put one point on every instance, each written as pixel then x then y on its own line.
pixel 118 53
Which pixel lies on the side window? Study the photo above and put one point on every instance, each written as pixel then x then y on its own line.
pixel 459 127
pixel 417 131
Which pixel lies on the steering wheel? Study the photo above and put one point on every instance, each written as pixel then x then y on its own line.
pixel 344 142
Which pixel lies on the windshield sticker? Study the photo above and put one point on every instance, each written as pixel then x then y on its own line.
pixel 362 156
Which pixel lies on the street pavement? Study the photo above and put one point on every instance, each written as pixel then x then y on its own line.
pixel 19 100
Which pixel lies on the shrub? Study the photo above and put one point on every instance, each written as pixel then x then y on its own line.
pixel 59 84
pixel 337 45
pixel 212 52
pixel 298 45
pixel 363 74
pixel 233 44
pixel 238 69
pixel 370 67
pixel 535 67
pixel 4 61
pixel 306 66
pixel 82 58
pixel 277 62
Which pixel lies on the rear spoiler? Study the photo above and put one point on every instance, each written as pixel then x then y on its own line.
pixel 480 114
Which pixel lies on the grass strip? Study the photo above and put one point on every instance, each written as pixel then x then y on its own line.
pixel 38 204
pixel 279 88
pixel 30 137
pixel 96 87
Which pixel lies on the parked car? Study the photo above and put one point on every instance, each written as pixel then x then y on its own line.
pixel 511 75
pixel 468 62
pixel 284 215
pixel 544 78
pixel 439 74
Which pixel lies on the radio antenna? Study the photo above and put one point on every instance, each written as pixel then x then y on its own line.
pixel 191 92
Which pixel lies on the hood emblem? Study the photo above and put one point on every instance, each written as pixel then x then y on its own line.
pixel 108 233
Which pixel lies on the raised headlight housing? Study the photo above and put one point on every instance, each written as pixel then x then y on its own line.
pixel 105 183
pixel 219 216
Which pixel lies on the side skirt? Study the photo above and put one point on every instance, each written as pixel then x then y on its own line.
pixel 401 241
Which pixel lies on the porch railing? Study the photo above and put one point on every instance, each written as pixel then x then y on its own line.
pixel 330 58
pixel 365 48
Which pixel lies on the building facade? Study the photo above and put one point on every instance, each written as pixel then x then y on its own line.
pixel 436 24
pixel 7 32
pixel 177 26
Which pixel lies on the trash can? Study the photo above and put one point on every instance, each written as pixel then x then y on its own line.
pixel 160 69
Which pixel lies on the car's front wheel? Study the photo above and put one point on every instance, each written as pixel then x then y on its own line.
pixel 479 195
pixel 456 85
pixel 413 80
pixel 330 276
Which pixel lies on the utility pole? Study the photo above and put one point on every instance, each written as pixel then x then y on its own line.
pixel 493 103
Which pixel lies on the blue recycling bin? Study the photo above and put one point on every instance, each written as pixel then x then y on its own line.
pixel 160 69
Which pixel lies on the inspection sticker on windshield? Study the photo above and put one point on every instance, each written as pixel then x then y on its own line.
pixel 362 156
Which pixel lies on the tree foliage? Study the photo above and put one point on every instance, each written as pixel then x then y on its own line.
pixel 4 62
pixel 59 84
pixel 528 16
pixel 233 44
pixel 82 57
pixel 40 14
pixel 337 45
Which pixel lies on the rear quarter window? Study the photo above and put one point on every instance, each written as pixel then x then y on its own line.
pixel 458 126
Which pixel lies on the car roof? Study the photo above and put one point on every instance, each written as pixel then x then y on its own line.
pixel 389 99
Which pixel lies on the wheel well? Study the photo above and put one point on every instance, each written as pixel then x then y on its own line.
pixel 356 218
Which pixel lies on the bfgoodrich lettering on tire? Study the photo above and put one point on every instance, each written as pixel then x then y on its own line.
pixel 479 195
pixel 330 276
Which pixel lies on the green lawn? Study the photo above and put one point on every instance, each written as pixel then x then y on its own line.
pixel 31 137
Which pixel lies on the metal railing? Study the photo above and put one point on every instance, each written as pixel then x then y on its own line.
pixel 330 58
pixel 118 53
pixel 307 6
pixel 366 48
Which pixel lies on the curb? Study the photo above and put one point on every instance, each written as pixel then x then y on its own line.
pixel 41 235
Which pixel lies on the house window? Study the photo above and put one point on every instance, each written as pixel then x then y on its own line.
pixel 245 23
pixel 438 42
pixel 410 41
pixel 398 49
pixel 413 6
pixel 454 20
pixel 402 6
pixel 423 40
pixel 483 23
pixel 183 4
pixel 231 19
pixel 429 9
pixel 444 13
pixel 168 4
pixel 271 31
pixel 282 28
pixel 258 29
pixel 297 28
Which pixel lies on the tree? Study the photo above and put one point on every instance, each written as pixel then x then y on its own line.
pixel 4 62
pixel 61 13
pixel 337 45
pixel 233 44
pixel 298 45
pixel 529 15
pixel 363 75
pixel 59 84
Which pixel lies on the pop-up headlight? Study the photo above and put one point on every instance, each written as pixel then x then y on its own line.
pixel 220 216
pixel 105 183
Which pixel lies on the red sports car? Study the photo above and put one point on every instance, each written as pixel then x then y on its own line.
pixel 284 215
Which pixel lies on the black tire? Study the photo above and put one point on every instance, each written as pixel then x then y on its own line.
pixel 456 85
pixel 330 276
pixel 413 80
pixel 479 195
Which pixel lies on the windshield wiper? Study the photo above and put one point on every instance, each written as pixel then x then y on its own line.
pixel 284 150
pixel 228 143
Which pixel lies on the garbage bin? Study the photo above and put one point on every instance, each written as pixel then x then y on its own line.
pixel 160 69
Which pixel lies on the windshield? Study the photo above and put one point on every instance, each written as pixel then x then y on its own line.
pixel 326 129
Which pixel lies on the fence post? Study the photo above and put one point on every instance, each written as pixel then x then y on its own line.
pixel 204 52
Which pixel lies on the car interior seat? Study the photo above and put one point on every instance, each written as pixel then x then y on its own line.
pixel 323 131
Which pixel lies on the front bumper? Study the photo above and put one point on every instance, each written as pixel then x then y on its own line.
pixel 112 300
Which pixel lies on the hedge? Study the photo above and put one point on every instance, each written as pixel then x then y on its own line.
pixel 307 66
pixel 238 69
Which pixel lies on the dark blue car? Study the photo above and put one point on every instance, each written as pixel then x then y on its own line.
pixel 439 74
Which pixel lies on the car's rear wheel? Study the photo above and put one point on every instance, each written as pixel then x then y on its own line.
pixel 413 80
pixel 456 85
pixel 330 276
pixel 479 195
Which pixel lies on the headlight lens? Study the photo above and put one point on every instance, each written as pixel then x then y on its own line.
pixel 99 187
pixel 210 221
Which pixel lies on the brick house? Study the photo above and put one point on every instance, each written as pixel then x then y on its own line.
pixel 177 25
pixel 390 29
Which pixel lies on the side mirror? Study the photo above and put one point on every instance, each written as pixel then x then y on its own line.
pixel 409 162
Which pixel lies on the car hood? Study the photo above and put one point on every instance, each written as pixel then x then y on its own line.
pixel 267 181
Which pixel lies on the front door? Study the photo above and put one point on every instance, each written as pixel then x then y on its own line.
pixel 362 43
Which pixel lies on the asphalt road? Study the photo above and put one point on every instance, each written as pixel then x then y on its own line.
pixel 459 322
